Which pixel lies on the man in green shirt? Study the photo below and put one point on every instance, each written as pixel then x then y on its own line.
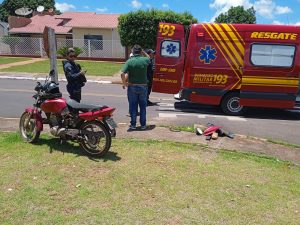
pixel 136 69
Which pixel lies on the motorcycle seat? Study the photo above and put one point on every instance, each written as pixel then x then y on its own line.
pixel 84 107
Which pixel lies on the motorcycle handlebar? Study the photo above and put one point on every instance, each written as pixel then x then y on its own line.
pixel 40 87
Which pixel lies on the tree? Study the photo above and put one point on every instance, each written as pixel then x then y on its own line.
pixel 140 27
pixel 237 15
pixel 8 7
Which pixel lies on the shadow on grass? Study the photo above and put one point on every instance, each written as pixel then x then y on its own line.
pixel 149 127
pixel 69 147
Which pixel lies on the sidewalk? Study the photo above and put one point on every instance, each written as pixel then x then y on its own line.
pixel 239 143
pixel 115 79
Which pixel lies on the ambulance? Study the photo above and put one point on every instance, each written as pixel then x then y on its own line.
pixel 234 66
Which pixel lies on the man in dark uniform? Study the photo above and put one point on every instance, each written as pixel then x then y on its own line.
pixel 74 75
pixel 150 72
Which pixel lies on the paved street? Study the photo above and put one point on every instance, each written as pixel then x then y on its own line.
pixel 15 95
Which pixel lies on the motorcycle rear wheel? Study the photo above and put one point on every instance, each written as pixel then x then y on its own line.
pixel 30 133
pixel 96 139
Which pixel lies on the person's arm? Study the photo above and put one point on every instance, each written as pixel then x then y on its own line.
pixel 70 74
pixel 123 75
pixel 124 81
pixel 145 54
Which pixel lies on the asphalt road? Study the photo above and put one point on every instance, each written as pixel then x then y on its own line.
pixel 15 95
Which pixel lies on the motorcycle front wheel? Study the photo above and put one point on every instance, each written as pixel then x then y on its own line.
pixel 96 139
pixel 28 128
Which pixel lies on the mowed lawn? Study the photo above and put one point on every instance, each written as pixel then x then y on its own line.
pixel 7 60
pixel 143 182
pixel 93 68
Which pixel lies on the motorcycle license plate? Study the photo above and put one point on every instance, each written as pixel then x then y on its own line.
pixel 110 121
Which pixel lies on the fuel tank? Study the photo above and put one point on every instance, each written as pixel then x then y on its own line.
pixel 54 105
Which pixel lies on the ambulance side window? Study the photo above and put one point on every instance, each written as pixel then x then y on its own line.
pixel 170 48
pixel 272 55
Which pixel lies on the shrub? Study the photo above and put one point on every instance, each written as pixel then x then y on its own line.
pixel 63 51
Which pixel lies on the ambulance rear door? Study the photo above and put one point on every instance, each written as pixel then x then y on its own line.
pixel 169 58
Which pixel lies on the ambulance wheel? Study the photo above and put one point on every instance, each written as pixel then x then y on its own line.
pixel 231 104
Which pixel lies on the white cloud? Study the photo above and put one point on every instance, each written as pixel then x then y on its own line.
pixel 264 8
pixel 222 6
pixel 63 7
pixel 149 6
pixel 283 10
pixel 276 22
pixel 102 10
pixel 86 7
pixel 267 8
pixel 136 4
pixel 165 6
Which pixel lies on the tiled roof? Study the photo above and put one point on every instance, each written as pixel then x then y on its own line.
pixel 63 24
pixel 71 15
pixel 38 23
pixel 88 20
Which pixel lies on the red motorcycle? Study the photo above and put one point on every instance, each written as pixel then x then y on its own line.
pixel 91 126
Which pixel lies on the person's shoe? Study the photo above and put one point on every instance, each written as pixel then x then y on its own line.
pixel 131 127
pixel 150 103
pixel 143 127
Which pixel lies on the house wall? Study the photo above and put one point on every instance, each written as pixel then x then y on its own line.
pixel 111 42
pixel 32 45
pixel 78 33
pixel 59 36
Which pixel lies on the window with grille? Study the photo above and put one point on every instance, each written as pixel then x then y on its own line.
pixel 96 41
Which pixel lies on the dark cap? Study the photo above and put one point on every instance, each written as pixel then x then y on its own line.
pixel 150 51
pixel 137 49
pixel 70 50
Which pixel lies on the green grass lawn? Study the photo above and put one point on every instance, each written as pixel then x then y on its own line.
pixel 7 60
pixel 143 182
pixel 93 68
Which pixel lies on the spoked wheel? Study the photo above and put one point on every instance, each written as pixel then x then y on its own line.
pixel 96 139
pixel 231 104
pixel 28 128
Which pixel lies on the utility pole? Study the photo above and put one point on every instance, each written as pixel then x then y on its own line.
pixel 50 48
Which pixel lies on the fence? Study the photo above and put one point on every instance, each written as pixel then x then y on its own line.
pixel 94 49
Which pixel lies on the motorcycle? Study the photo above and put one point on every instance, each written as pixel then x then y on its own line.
pixel 91 126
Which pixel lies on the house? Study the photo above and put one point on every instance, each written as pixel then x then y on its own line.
pixel 96 34
pixel 3 29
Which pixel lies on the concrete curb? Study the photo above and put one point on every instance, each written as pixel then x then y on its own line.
pixel 60 79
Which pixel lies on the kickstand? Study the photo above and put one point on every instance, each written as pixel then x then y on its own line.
pixel 62 141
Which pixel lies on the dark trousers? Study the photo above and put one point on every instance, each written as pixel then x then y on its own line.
pixel 150 80
pixel 137 97
pixel 75 95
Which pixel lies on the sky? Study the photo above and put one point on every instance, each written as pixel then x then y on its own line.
pixel 267 11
